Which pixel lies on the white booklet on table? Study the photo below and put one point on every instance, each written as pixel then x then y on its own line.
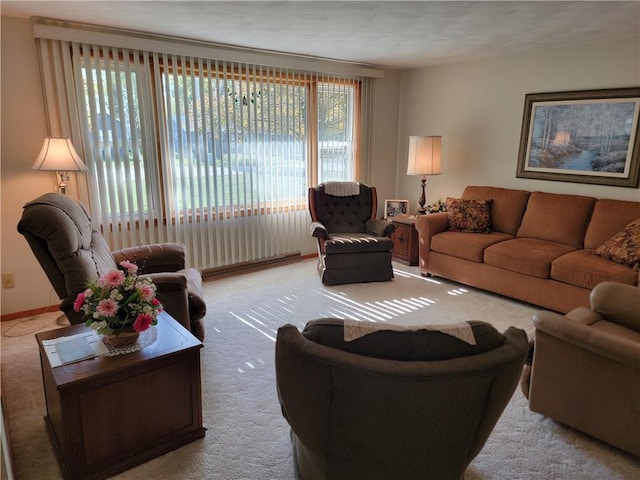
pixel 74 348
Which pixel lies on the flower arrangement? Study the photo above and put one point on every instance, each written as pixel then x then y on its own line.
pixel 119 301
pixel 439 206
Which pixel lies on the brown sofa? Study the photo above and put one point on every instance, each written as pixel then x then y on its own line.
pixel 539 249
pixel 393 404
pixel 586 366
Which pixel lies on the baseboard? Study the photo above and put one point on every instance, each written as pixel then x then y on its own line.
pixel 28 313
pixel 246 267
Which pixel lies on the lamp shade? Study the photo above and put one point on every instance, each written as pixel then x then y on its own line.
pixel 424 156
pixel 59 154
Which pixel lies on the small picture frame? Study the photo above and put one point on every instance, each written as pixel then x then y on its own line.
pixel 395 207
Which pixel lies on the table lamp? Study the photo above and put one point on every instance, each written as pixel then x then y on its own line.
pixel 424 159
pixel 58 154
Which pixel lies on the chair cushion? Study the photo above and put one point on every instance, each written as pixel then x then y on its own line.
pixel 414 345
pixel 356 243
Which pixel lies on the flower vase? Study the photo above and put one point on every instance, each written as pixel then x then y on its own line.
pixel 122 339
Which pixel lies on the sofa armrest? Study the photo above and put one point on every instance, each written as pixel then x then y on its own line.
pixel 380 228
pixel 617 303
pixel 154 258
pixel 318 230
pixel 585 337
pixel 428 226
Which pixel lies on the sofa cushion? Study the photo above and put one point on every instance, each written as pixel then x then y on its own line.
pixel 609 217
pixel 557 218
pixel 413 345
pixel 583 269
pixel 528 256
pixel 469 246
pixel 623 247
pixel 469 215
pixel 507 206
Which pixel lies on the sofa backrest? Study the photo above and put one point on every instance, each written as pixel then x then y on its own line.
pixel 507 206
pixel 557 218
pixel 609 217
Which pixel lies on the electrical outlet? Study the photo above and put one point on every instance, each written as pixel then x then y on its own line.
pixel 8 281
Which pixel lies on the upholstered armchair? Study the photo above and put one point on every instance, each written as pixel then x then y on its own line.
pixel 416 404
pixel 586 366
pixel 353 246
pixel 72 251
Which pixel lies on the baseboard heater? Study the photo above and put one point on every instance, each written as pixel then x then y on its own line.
pixel 245 267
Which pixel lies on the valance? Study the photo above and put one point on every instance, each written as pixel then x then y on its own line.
pixel 83 33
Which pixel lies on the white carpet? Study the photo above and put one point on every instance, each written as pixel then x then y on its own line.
pixel 247 438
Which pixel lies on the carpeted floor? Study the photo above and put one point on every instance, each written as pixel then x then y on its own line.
pixel 247 438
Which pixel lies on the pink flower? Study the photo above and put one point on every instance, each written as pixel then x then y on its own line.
pixel 142 322
pixel 114 278
pixel 146 292
pixel 156 303
pixel 77 305
pixel 129 266
pixel 107 307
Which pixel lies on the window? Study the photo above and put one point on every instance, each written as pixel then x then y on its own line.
pixel 196 140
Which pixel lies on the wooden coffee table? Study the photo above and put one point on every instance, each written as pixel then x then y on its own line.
pixel 110 413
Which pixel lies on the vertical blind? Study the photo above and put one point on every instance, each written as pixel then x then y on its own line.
pixel 215 154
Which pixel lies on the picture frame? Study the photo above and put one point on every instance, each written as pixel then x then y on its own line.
pixel 589 136
pixel 395 207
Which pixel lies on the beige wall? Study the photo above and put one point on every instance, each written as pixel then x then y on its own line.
pixel 23 129
pixel 385 135
pixel 477 107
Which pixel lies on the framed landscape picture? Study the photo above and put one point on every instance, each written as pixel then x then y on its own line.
pixel 589 136
pixel 393 208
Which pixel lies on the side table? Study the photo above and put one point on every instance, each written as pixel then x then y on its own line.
pixel 405 240
pixel 110 413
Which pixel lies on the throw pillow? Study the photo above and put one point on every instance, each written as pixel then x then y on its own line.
pixel 623 247
pixel 469 215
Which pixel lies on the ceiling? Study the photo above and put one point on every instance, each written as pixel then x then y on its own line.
pixel 383 33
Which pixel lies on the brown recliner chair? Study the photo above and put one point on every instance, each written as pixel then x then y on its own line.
pixel 72 252
pixel 393 405
pixel 353 246
pixel 586 366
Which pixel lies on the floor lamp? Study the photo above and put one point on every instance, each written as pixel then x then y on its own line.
pixel 424 159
